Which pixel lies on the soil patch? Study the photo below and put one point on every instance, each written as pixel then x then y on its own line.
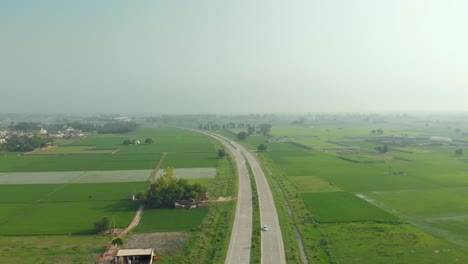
pixel 40 149
pixel 224 199
pixel 167 243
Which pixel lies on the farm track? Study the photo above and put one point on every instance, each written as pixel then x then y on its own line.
pixel 153 174
pixel 135 221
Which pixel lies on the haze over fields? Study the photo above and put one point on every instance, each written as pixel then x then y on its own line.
pixel 233 56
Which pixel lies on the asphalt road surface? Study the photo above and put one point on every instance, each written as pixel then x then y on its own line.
pixel 241 236
pixel 272 240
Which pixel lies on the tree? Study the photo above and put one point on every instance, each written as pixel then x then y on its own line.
pixel 250 130
pixel 385 148
pixel 380 131
pixel 265 129
pixel 373 131
pixel 221 153
pixel 262 148
pixel 459 152
pixel 102 225
pixel 242 135
pixel 148 141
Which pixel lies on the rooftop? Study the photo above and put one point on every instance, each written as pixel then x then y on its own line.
pixel 134 252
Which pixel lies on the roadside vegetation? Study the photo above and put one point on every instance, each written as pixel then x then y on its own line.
pixel 210 239
pixel 256 249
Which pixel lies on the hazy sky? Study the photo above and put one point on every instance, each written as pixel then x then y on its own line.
pixel 233 56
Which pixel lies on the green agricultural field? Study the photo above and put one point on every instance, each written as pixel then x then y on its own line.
pixel 424 203
pixel 313 184
pixel 55 209
pixel 63 218
pixel 74 150
pixel 169 220
pixel 60 177
pixel 423 185
pixel 331 207
pixel 185 149
pixel 362 243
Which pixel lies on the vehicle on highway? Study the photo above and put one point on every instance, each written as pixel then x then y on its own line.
pixel 265 228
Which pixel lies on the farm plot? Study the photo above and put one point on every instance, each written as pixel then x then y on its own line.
pixel 388 243
pixel 331 207
pixel 442 211
pixel 169 220
pixel 191 173
pixel 74 177
pixel 52 209
pixel 425 203
pixel 63 218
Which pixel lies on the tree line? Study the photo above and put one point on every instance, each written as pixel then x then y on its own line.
pixel 117 128
pixel 24 143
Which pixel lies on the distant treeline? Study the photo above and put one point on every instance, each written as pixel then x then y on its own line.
pixel 117 128
pixel 108 128
pixel 35 126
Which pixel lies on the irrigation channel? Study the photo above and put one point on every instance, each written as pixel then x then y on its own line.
pixel 240 244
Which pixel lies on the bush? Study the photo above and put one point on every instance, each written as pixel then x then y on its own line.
pixel 102 225
pixel 117 241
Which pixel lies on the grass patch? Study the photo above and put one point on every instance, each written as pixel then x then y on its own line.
pixel 343 207
pixel 388 243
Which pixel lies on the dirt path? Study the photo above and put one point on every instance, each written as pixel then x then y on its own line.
pixel 155 171
pixel 135 221
pixel 112 250
pixel 39 149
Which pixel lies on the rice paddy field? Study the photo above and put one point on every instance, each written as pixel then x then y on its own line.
pixel 408 205
pixel 184 149
pixel 62 191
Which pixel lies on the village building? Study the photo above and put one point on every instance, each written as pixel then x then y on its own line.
pixel 134 256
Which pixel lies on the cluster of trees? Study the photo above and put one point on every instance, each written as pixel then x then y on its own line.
pixel 167 189
pixel 263 129
pixel 117 128
pixel 262 148
pixel 459 152
pixel 35 126
pixel 383 149
pixel 24 144
pixel 221 153
pixel 25 126
pixel 85 127
pixel 377 132
pixel 132 141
